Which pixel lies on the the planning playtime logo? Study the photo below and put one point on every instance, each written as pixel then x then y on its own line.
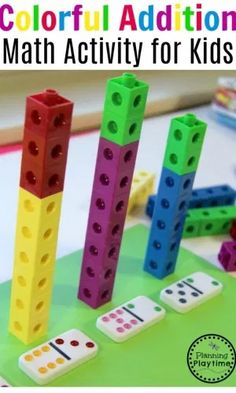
pixel 211 358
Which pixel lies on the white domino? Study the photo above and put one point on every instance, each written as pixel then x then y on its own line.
pixel 130 318
pixel 57 356
pixel 4 383
pixel 190 292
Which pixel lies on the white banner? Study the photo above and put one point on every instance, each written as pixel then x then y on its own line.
pixel 120 34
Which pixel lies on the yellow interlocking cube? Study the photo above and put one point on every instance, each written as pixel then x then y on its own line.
pixel 35 254
pixel 142 186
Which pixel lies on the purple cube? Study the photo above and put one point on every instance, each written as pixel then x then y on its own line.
pixel 227 256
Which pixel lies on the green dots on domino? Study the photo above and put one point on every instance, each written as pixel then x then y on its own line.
pixel 190 280
pixel 130 305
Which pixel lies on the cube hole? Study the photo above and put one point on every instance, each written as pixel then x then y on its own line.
pixel 97 227
pixel 128 156
pixel 157 245
pixel 153 265
pixel 59 121
pixel 56 152
pixel 24 257
pixel 169 181
pixel 173 159
pixel 105 294
pixel 108 154
pixel 42 283
pixel 36 117
pixel 178 135
pixel 177 226
pixel 165 204
pixel 19 304
pixel 190 229
pixel 186 184
pixel 87 293
pixel 115 230
pixel 117 99
pixel 104 179
pixel 37 328
pixel 132 129
pixel 39 306
pixel 108 274
pixel 93 250
pixel 51 207
pixel 112 252
pixel 120 206
pixel 44 259
pixel 161 224
pixel 226 225
pixel 182 205
pixel 100 204
pixel 196 137
pixel 223 212
pixel 31 178
pixel 47 234
pixel 224 188
pixel 33 148
pixel 169 266
pixel 191 161
pixel 28 205
pixel 124 182
pixel 21 281
pixel 90 272
pixel 137 101
pixel 17 326
pixel 26 232
pixel 54 181
pixel 112 127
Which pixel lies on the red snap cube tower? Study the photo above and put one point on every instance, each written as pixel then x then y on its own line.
pixel 120 133
pixel 45 147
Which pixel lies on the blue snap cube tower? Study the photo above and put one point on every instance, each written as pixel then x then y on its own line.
pixel 181 159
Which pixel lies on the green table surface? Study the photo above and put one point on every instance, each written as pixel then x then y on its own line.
pixel 155 357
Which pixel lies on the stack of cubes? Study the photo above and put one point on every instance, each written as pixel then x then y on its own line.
pixel 209 221
pixel 120 133
pixel 182 155
pixel 45 148
pixel 222 195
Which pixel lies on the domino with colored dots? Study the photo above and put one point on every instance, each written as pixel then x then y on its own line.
pixel 130 318
pixel 57 356
pixel 190 292
pixel 4 383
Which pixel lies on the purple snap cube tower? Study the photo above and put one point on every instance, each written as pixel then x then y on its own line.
pixel 120 133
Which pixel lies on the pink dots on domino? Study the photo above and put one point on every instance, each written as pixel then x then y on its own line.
pixel 119 311
pixel 127 326
pixel 105 319
pixel 133 322
pixel 112 315
pixel 120 320
pixel 120 330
